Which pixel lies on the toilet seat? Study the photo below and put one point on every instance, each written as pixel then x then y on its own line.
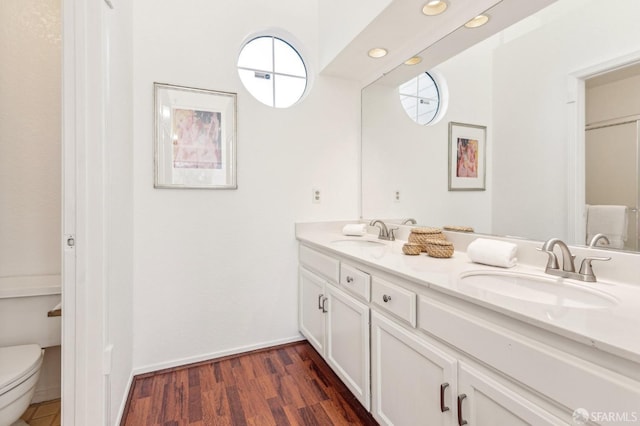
pixel 18 363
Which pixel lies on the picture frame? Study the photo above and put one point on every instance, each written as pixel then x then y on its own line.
pixel 194 138
pixel 467 157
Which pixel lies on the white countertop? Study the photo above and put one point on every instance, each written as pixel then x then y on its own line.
pixel 611 329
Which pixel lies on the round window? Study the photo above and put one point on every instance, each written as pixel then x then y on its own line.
pixel 420 98
pixel 272 71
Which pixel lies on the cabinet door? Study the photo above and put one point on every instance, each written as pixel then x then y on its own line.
pixel 484 401
pixel 413 382
pixel 347 342
pixel 312 306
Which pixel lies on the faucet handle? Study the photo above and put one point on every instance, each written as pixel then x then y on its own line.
pixel 392 233
pixel 587 270
pixel 552 263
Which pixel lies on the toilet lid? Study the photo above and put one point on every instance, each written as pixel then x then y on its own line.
pixel 17 362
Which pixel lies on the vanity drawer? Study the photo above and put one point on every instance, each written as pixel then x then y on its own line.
pixel 356 281
pixel 394 299
pixel 320 263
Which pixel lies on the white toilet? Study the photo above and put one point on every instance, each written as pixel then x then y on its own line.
pixel 19 372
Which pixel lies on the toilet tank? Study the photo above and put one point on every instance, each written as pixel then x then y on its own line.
pixel 24 304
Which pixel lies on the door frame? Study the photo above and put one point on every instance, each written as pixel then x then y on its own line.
pixel 83 92
pixel 576 199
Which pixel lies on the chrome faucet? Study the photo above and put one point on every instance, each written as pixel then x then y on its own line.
pixel 411 221
pixel 568 259
pixel 385 233
pixel 568 266
pixel 598 237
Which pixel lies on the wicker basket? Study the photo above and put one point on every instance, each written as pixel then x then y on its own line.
pixel 458 228
pixel 412 249
pixel 422 236
pixel 440 248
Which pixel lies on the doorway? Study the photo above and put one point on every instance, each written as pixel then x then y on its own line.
pixel 612 154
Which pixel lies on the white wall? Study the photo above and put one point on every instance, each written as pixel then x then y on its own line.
pixel 215 270
pixel 531 113
pixel 399 154
pixel 30 139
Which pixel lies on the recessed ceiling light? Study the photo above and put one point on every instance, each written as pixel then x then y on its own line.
pixel 434 7
pixel 478 21
pixel 377 52
pixel 413 61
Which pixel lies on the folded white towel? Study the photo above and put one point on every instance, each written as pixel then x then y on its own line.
pixel 492 252
pixel 355 229
pixel 609 220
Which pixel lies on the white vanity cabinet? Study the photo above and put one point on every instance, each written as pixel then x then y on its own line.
pixel 430 358
pixel 483 400
pixel 413 382
pixel 312 307
pixel 335 323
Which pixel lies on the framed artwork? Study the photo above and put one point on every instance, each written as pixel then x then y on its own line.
pixel 195 138
pixel 467 157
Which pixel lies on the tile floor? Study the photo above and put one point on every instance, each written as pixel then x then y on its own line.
pixel 43 414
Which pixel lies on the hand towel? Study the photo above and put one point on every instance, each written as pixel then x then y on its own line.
pixel 355 229
pixel 609 220
pixel 493 252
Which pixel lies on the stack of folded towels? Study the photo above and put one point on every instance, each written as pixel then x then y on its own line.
pixel 493 252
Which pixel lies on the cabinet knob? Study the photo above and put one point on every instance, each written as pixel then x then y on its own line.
pixel 461 421
pixel 386 298
pixel 349 279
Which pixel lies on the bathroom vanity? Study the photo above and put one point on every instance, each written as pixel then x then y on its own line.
pixel 426 341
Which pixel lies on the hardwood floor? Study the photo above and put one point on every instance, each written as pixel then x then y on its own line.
pixel 284 385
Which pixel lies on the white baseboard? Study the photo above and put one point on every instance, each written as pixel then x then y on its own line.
pixel 46 394
pixel 124 400
pixel 210 356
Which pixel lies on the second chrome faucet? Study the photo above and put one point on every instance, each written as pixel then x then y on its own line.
pixel 385 233
pixel 568 262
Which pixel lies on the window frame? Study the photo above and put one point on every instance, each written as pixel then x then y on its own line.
pixel 272 74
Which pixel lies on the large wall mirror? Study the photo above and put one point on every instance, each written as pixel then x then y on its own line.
pixel 537 86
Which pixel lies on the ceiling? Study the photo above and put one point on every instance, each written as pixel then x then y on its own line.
pixel 404 31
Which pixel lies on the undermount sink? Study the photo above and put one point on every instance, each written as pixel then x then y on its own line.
pixel 548 291
pixel 352 242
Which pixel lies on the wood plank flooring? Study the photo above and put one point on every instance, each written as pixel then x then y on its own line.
pixel 283 385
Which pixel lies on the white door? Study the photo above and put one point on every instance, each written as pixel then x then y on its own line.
pixel 413 382
pixel 611 172
pixel 483 401
pixel 347 342
pixel 312 308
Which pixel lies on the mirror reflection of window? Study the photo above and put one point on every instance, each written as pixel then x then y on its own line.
pixel 421 99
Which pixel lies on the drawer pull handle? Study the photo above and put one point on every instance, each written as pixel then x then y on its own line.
pixel 324 307
pixel 320 301
pixel 461 421
pixel 349 279
pixel 386 298
pixel 443 408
